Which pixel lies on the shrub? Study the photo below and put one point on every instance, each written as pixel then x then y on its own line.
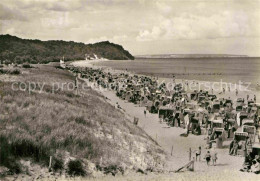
pixel 26 65
pixel 58 164
pixel 14 166
pixel 2 71
pixel 58 67
pixel 15 72
pixel 80 120
pixel 113 169
pixel 69 94
pixel 140 171
pixel 6 159
pixel 75 168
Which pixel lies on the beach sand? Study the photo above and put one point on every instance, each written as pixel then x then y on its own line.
pixel 227 167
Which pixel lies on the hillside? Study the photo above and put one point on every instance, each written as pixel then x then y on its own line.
pixel 61 123
pixel 17 50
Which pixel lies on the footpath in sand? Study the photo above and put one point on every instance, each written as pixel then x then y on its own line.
pixel 169 138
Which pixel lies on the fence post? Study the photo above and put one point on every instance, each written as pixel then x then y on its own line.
pixel 190 154
pixel 192 164
pixel 50 163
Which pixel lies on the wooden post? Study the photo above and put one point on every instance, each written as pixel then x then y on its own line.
pixel 171 150
pixel 193 164
pixel 76 84
pixel 50 163
pixel 190 154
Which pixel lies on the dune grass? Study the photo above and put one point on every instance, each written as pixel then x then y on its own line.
pixel 38 125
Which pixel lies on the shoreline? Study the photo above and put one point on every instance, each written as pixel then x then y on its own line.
pixel 249 90
pixel 192 71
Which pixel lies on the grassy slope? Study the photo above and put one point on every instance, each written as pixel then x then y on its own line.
pixel 38 125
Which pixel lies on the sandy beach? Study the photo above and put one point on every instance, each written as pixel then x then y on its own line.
pixel 169 139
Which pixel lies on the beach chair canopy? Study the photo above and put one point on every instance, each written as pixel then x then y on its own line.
pixel 240 136
pixel 250 102
pixel 217 124
pixel 219 131
pixel 256 146
pixel 212 96
pixel 240 100
pixel 249 129
pixel 218 121
pixel 166 108
pixel 186 110
pixel 248 122
pixel 244 114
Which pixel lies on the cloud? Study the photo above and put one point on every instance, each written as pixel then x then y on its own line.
pixel 58 21
pixel 11 14
pixel 154 34
pixel 138 25
pixel 189 26
pixel 164 8
pixel 119 38
pixel 64 5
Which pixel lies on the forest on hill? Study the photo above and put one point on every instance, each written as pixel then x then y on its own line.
pixel 17 50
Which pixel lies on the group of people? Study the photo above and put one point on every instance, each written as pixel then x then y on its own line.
pixel 251 164
pixel 211 155
pixel 235 145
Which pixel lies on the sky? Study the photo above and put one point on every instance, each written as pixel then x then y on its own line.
pixel 140 26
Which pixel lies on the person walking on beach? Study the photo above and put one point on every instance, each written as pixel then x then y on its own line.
pixel 247 97
pixel 181 116
pixel 234 148
pixel 208 157
pixel 254 98
pixel 198 153
pixel 177 117
pixel 160 120
pixel 208 142
pixel 144 113
pixel 186 120
pixel 236 92
pixel 214 157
